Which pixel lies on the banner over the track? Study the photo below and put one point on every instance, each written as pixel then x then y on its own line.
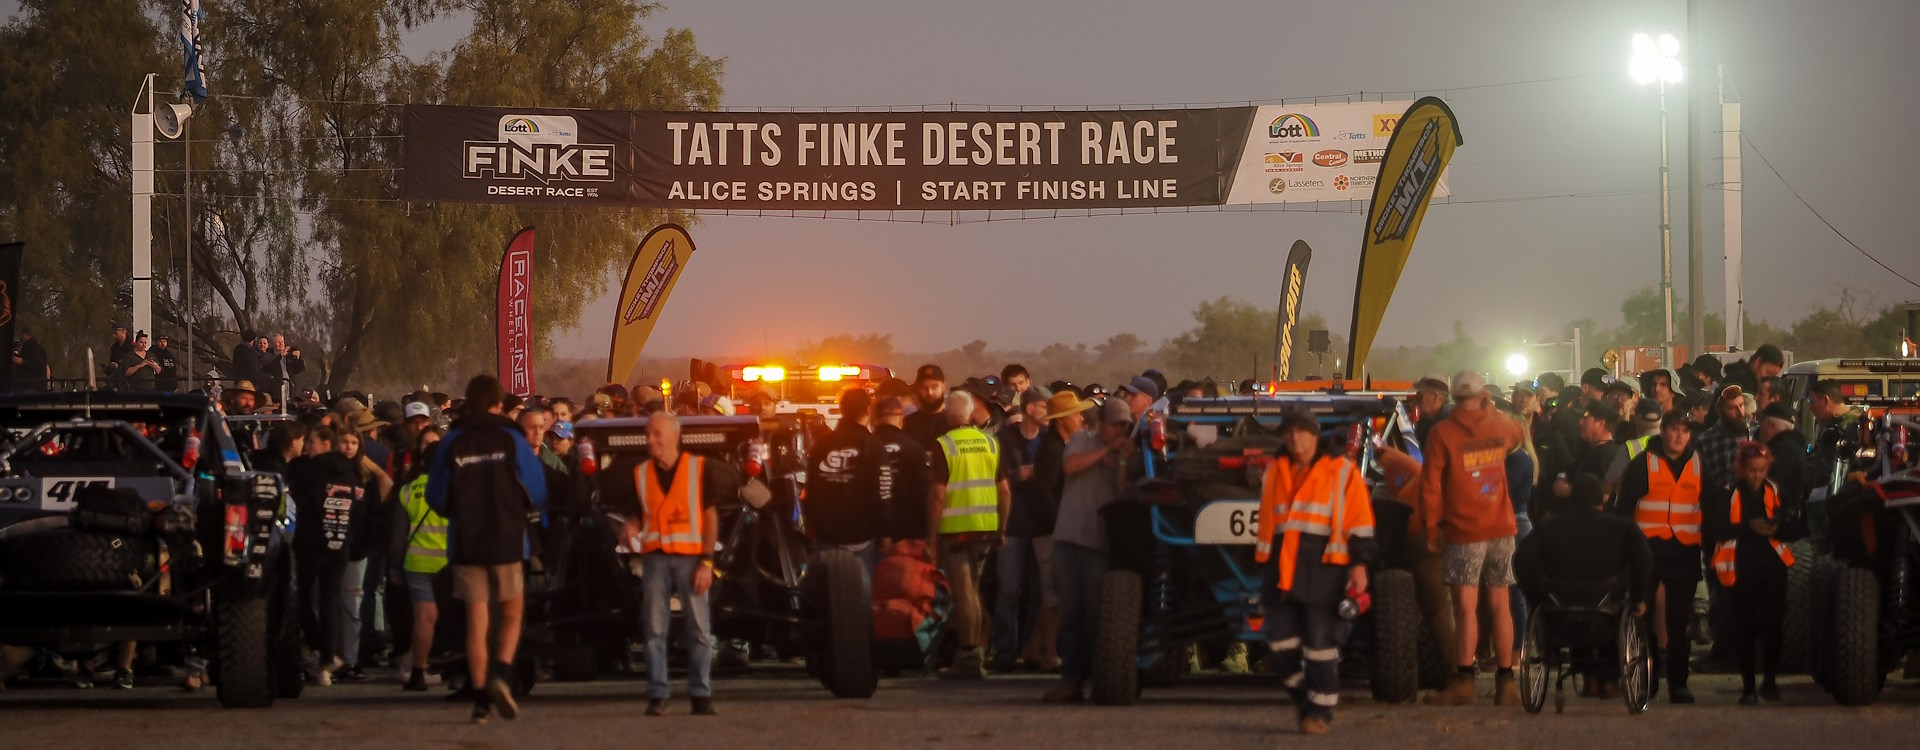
pixel 892 161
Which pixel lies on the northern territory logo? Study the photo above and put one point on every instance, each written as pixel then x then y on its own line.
pixel 539 148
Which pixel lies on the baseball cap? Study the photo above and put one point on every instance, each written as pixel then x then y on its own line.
pixel 417 409
pixel 1647 410
pixel 1143 385
pixel 1034 395
pixel 1708 365
pixel 1731 391
pixel 1467 384
pixel 929 372
pixel 1781 411
pixel 562 430
pixel 1594 377
pixel 1116 411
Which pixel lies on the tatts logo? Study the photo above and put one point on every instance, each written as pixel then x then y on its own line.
pixel 646 299
pixel 545 148
pixel 1330 158
pixel 1292 125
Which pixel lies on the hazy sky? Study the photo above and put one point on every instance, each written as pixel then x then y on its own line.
pixel 1826 89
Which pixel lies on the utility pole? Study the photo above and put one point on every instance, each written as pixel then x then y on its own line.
pixel 1696 274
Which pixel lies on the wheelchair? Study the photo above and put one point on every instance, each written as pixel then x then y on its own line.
pixel 1564 640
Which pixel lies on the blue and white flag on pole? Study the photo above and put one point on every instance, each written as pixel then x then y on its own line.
pixel 196 81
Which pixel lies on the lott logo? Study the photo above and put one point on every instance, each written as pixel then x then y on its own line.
pixel 1292 125
pixel 1330 158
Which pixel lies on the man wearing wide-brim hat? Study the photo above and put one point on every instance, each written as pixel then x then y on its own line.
pixel 242 399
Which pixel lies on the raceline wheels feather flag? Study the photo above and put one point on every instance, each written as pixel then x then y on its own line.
pixel 513 315
pixel 657 264
pixel 1423 142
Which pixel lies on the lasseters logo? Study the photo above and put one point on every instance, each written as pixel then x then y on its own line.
pixel 541 148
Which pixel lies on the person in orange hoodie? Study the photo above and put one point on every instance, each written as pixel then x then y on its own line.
pixel 1464 501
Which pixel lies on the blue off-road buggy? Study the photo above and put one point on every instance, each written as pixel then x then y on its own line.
pixel 1184 588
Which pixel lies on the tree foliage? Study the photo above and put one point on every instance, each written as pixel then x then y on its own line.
pixel 298 224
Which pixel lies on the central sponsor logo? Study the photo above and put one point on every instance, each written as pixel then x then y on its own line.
pixel 543 148
pixel 1286 161
pixel 1292 125
pixel 646 299
pixel 1330 158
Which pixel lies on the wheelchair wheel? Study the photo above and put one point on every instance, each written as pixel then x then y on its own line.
pixel 1636 669
pixel 1533 665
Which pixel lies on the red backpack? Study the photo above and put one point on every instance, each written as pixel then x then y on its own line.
pixel 910 596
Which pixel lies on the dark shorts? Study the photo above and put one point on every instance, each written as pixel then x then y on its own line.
pixel 957 554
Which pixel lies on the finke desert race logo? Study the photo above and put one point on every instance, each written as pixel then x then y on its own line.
pixel 542 148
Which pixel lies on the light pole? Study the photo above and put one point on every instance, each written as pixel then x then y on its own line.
pixel 1659 61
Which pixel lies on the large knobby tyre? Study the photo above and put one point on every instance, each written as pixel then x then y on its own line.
pixel 846 663
pixel 1796 641
pixel 69 559
pixel 1854 676
pixel 1116 640
pixel 1820 625
pixel 246 670
pixel 1396 638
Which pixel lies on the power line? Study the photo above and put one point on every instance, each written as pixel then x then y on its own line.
pixel 1816 213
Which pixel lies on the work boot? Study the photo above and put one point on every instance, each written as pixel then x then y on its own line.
pixel 1068 691
pixel 703 706
pixel 966 666
pixel 1679 695
pixel 1459 691
pixel 1314 725
pixel 656 707
pixel 1236 661
pixel 1506 689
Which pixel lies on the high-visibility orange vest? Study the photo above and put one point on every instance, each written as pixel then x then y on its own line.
pixel 1671 509
pixel 1723 554
pixel 1331 501
pixel 672 517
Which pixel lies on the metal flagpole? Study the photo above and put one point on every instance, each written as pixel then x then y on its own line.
pixel 186 315
pixel 1666 238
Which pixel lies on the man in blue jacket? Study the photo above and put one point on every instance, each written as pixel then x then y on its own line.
pixel 490 486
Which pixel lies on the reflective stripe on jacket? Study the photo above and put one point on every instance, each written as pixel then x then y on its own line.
pixel 1723 553
pixel 1670 509
pixel 973 481
pixel 427 542
pixel 672 516
pixel 1332 501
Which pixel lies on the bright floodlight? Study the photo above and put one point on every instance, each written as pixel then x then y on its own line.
pixel 1517 364
pixel 1655 60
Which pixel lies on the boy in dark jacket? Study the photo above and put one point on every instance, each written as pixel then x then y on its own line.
pixel 487 482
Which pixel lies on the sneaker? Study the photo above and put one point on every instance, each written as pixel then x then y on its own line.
pixel 323 678
pixel 1747 698
pixel 1679 695
pixel 656 707
pixel 416 682
pixel 703 706
pixel 1506 689
pixel 1066 692
pixel 1314 725
pixel 350 675
pixel 502 695
pixel 123 679
pixel 482 713
pixel 1769 692
pixel 1459 692
pixel 83 679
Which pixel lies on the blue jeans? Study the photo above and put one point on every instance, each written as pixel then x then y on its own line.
pixel 352 590
pixel 1516 601
pixel 1077 572
pixel 662 576
pixel 1013 566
